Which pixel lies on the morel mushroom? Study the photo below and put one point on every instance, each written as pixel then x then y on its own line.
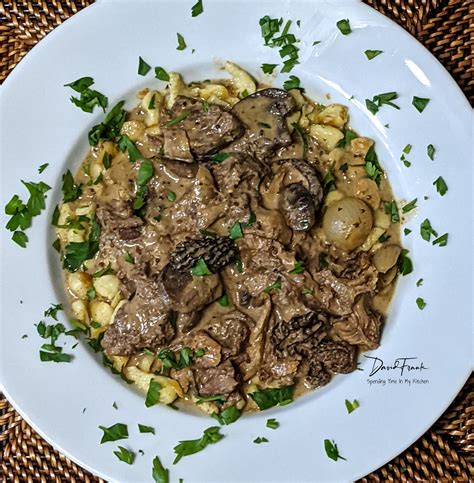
pixel 338 357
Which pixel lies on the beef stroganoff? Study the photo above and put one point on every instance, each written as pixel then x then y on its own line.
pixel 229 244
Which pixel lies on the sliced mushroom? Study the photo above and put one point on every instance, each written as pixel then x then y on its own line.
pixel 264 113
pixel 386 257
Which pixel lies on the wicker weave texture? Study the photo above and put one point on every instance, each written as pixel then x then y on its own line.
pixel 446 452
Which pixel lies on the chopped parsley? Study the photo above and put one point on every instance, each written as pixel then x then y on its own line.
pixel 159 473
pixel 129 258
pixel 126 144
pixel 332 451
pixel 20 238
pixel 200 269
pixel 268 398
pixel 392 210
pixel 185 448
pixel 406 231
pixel 143 67
pixel 268 68
pixel 344 26
pixel 426 230
pixel 114 433
pixel 145 172
pixel 292 83
pixel 76 253
pixel 110 127
pixel 181 42
pixel 205 106
pixel 177 119
pixel 228 416
pixel 380 100
pixel 219 157
pixel 260 440
pixel 420 103
pixel 197 9
pixel 371 54
pixel 272 423
pixel 329 181
pixel 372 166
pixel 224 301
pixel 125 455
pixel 217 398
pixel 441 186
pixel 274 286
pixel 153 393
pixel 89 98
pixel 351 406
pixel 430 151
pixel 42 167
pixel 442 241
pixel 161 74
pixel 146 429
pixel 409 206
pixel 236 231
pixel 298 268
pixel 405 265
pixel 421 303
pixel 349 135
pixel 53 311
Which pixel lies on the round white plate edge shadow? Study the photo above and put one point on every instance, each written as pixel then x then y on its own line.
pixel 26 416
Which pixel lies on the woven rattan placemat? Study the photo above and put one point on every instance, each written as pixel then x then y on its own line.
pixel 446 451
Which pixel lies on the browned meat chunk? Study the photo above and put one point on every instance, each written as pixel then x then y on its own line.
pixel 144 322
pixel 264 114
pixel 207 131
pixel 230 332
pixel 176 145
pixel 212 350
pixel 216 380
pixel 118 221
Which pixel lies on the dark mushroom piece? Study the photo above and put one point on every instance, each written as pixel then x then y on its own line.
pixel 264 113
pixel 337 357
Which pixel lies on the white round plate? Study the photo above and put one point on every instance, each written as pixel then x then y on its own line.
pixel 66 403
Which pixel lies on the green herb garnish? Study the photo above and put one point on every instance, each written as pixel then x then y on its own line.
pixel 272 423
pixel 181 42
pixel 420 303
pixel 370 54
pixel 146 429
pixel 228 416
pixel 420 103
pixel 217 398
pixel 224 301
pixel 126 144
pixel 392 210
pixel 381 99
pixel 274 286
pixel 125 455
pixel 197 9
pixel 268 68
pixel 110 128
pixel 292 83
pixel 426 230
pixel 159 473
pixel 410 206
pixel 42 167
pixel 372 166
pixel 143 67
pixel 332 451
pixel 89 98
pixel 344 26
pixel 153 393
pixel 405 265
pixel 441 186
pixel 298 268
pixel 236 231
pixel 219 157
pixel 267 398
pixel 351 406
pixel 161 74
pixel 442 241
pixel 200 269
pixel 171 196
pixel 177 119
pixel 185 448
pixel 114 433
pixel 75 254
pixel 260 440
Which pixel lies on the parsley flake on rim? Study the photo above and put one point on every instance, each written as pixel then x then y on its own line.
pixel 441 186
pixel 272 423
pixel 197 9
pixel 332 451
pixel 380 100
pixel 260 440
pixel 292 83
pixel 442 241
pixel 188 447
pixel 143 67
pixel 228 416
pixel 430 151
pixel 426 230
pixel 409 206
pixel 146 429
pixel 344 26
pixel 420 103
pixel 181 42
pixel 125 455
pixel 177 119
pixel 405 265
pixel 371 54
pixel 159 473
pixel 42 167
pixel 114 432
pixel 268 68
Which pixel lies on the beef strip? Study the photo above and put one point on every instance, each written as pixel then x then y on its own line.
pixel 216 380
pixel 144 322
pixel 231 332
pixel 201 132
pixel 118 221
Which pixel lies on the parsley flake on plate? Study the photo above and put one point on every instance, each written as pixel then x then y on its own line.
pixel 344 26
pixel 442 241
pixel 89 98
pixel 371 54
pixel 125 455
pixel 409 206
pixel 272 423
pixel 188 447
pixel 268 68
pixel 419 282
pixel 227 416
pixel 380 100
pixel 430 151
pixel 143 67
pixel 351 406
pixel 146 429
pixel 391 209
pixel 197 9
pixel 420 103
pixel 161 74
pixel 426 230
pixel 42 167
pixel 159 473
pixel 114 432
pixel 420 303
pixel 292 83
pixel 405 265
pixel 332 451
pixel 181 42
pixel 177 119
pixel 441 186
pixel 260 440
